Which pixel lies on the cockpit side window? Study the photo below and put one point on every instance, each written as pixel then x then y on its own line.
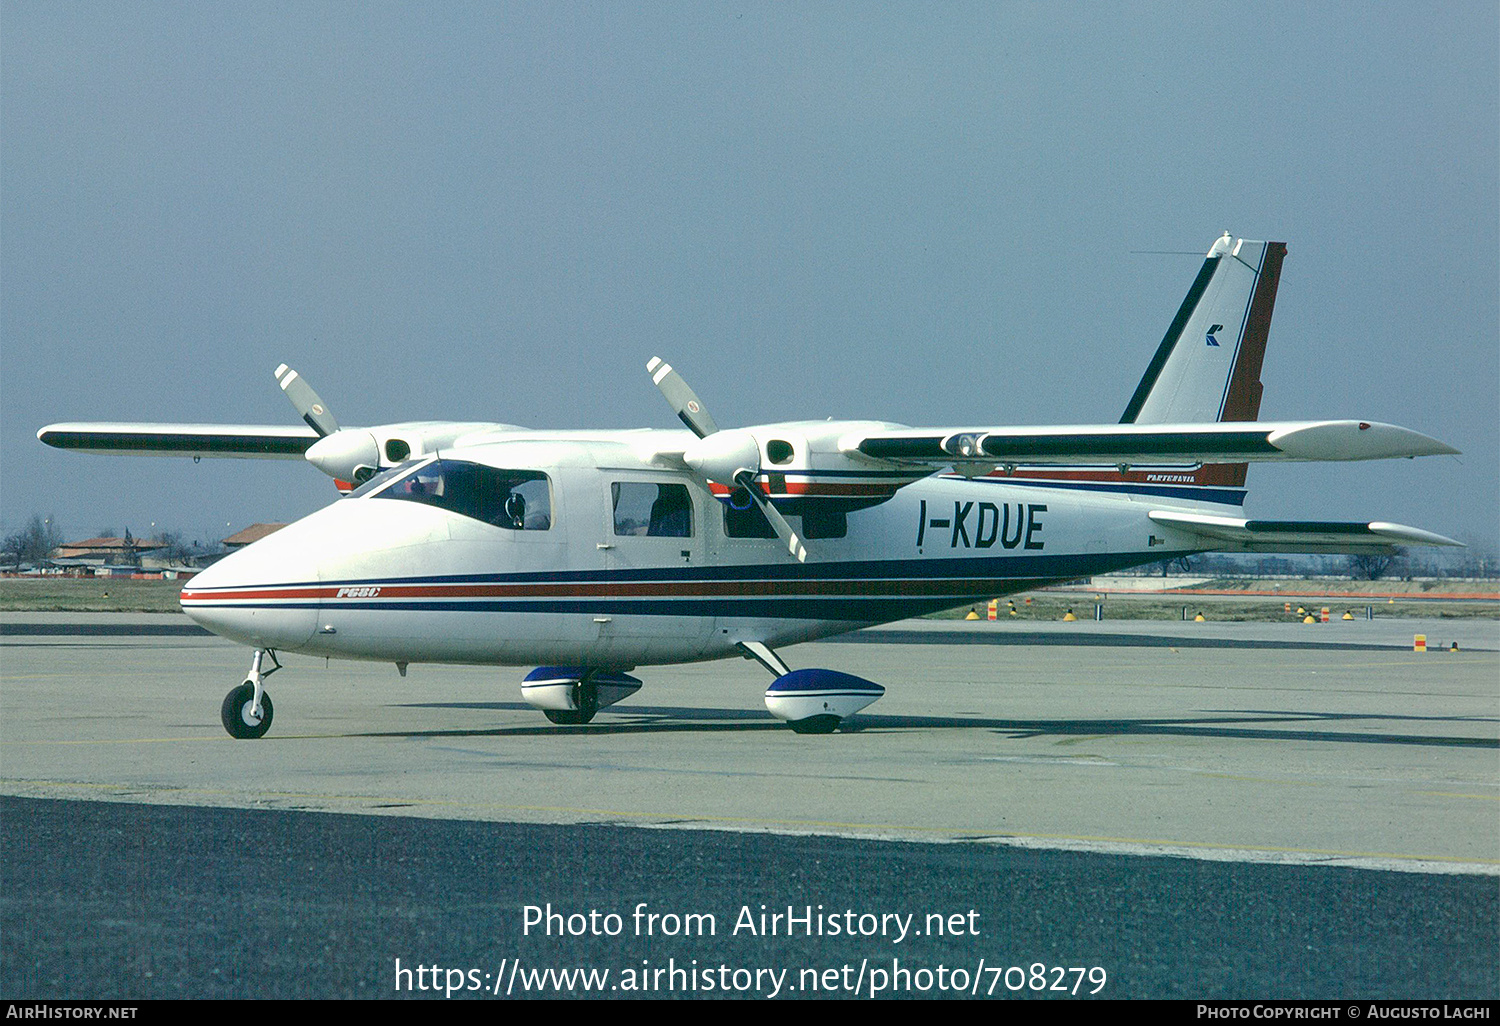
pixel 517 500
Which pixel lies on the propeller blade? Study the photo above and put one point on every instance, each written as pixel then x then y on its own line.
pixel 714 460
pixel 308 403
pixel 685 402
pixel 746 480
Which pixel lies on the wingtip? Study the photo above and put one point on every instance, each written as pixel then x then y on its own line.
pixel 1413 535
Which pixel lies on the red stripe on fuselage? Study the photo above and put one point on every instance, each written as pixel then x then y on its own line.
pixel 676 589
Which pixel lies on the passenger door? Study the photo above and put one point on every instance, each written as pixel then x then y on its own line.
pixel 654 550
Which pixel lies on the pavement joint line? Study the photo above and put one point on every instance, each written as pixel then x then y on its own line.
pixel 1207 851
pixel 1454 794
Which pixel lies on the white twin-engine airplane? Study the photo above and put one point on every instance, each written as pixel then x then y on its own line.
pixel 590 553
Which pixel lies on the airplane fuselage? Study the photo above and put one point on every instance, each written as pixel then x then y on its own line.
pixel 632 563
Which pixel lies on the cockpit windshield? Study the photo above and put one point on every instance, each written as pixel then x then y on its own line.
pixel 518 500
pixel 381 479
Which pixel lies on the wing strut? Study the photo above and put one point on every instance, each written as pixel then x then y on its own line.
pixel 761 653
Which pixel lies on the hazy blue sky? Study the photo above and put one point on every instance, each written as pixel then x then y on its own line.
pixel 928 213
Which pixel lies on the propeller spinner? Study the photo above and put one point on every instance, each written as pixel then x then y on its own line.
pixel 728 457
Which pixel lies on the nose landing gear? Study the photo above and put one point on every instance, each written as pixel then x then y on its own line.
pixel 247 709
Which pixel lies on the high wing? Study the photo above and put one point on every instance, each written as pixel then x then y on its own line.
pixel 1341 440
pixel 348 455
pixel 196 440
pixel 1231 534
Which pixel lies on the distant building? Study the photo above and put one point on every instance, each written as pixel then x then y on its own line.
pixel 253 533
pixel 126 551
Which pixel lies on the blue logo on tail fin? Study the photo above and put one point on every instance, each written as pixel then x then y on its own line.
pixel 1211 340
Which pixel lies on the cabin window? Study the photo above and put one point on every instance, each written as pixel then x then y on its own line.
pixel 650 510
pixel 824 523
pixel 517 500
pixel 749 522
pixel 816 523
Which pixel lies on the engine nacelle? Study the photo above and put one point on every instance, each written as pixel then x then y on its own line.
pixel 355 454
pixel 724 455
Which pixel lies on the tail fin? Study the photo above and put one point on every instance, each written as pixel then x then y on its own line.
pixel 1207 367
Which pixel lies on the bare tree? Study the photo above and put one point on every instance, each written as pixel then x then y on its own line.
pixel 34 542
pixel 1372 566
pixel 172 547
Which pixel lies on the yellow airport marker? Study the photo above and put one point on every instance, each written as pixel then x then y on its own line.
pixel 1419 643
pixel 972 615
pixel 1068 617
pixel 1200 618
pixel 1309 618
pixel 1348 615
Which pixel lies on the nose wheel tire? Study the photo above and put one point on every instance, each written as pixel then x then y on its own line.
pixel 236 712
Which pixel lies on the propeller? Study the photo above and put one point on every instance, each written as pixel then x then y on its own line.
pixel 344 455
pixel 684 400
pixel 308 403
pixel 728 457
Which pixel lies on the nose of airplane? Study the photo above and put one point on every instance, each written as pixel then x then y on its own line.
pixel 265 595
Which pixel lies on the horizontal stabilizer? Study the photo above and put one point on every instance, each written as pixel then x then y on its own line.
pixel 1231 534
pixel 1150 443
pixel 222 440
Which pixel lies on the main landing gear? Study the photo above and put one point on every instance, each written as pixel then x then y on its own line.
pixel 247 709
pixel 811 701
pixel 586 701
pixel 573 694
